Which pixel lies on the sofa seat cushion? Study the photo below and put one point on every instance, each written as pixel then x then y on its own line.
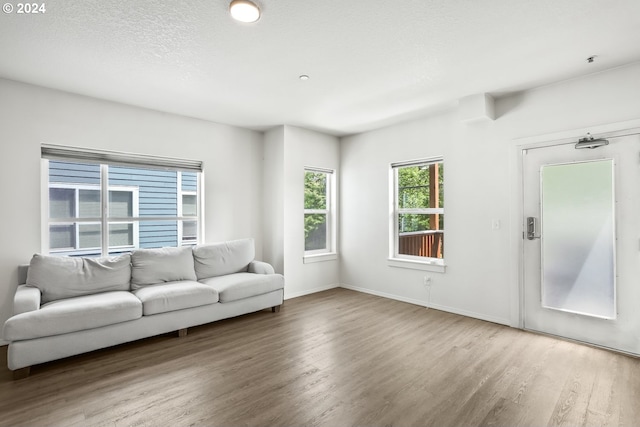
pixel 74 314
pixel 237 286
pixel 173 296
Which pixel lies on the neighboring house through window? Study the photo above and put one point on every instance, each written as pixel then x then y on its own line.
pixel 417 224
pixel 69 201
pixel 103 203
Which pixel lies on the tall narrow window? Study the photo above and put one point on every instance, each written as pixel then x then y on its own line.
pixel 103 203
pixel 189 205
pixel 418 211
pixel 319 235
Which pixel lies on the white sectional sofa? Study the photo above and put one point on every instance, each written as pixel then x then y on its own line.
pixel 67 306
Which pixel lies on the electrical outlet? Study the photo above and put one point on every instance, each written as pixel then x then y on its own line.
pixel 426 281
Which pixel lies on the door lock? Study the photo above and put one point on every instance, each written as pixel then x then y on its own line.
pixel 532 228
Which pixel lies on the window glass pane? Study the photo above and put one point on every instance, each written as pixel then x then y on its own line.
pixel 315 232
pixel 62 203
pixel 578 247
pixel 189 205
pixel 408 223
pixel 120 204
pixel 157 189
pixel 315 190
pixel 120 235
pixel 62 236
pixel 421 186
pixel 189 231
pixel 421 235
pixel 89 236
pixel 89 203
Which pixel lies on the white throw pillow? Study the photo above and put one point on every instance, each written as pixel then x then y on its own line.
pixel 151 266
pixel 68 277
pixel 218 259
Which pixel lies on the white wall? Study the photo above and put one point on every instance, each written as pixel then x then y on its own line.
pixel 30 115
pixel 288 150
pixel 481 275
pixel 305 148
pixel 273 198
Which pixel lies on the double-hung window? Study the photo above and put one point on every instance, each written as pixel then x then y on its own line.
pixel 319 212
pixel 417 202
pixel 101 202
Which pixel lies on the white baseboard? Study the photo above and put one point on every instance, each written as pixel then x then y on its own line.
pixel 384 295
pixel 310 291
pixel 422 303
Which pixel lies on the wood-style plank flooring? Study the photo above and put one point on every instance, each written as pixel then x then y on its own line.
pixel 336 358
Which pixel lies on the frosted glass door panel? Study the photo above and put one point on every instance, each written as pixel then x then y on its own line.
pixel 578 238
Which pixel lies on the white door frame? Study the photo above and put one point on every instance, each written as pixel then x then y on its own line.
pixel 519 145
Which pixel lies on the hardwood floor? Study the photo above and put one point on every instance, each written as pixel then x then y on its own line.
pixel 336 358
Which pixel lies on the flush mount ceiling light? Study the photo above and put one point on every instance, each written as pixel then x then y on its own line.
pixel 304 77
pixel 244 11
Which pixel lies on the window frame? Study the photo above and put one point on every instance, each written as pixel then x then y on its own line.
pixel 397 259
pixel 180 194
pixel 330 211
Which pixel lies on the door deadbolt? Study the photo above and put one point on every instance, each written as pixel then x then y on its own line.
pixel 532 228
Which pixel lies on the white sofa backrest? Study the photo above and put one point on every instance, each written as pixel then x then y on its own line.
pixel 68 277
pixel 219 259
pixel 152 266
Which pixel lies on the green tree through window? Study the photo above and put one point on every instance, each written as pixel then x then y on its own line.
pixel 419 209
pixel 316 210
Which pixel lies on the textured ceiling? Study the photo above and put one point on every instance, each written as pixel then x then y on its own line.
pixel 371 62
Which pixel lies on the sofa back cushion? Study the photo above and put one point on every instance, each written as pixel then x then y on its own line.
pixel 218 259
pixel 151 266
pixel 68 277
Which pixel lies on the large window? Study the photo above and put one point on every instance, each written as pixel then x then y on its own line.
pixel 418 211
pixel 114 202
pixel 319 224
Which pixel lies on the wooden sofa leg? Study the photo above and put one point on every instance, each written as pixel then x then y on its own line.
pixel 182 333
pixel 275 309
pixel 21 373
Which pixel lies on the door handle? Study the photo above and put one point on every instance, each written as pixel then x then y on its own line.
pixel 532 228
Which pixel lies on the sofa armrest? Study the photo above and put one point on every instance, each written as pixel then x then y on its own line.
pixel 27 298
pixel 260 267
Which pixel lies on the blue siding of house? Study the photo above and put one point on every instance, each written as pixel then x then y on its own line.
pixel 157 192
pixel 74 173
pixel 158 234
pixel 189 181
pixel 157 189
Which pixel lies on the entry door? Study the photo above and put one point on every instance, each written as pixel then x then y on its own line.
pixel 581 252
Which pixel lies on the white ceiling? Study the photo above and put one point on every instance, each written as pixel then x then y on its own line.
pixel 371 62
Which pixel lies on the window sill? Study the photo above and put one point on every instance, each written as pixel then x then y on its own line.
pixel 434 266
pixel 331 256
